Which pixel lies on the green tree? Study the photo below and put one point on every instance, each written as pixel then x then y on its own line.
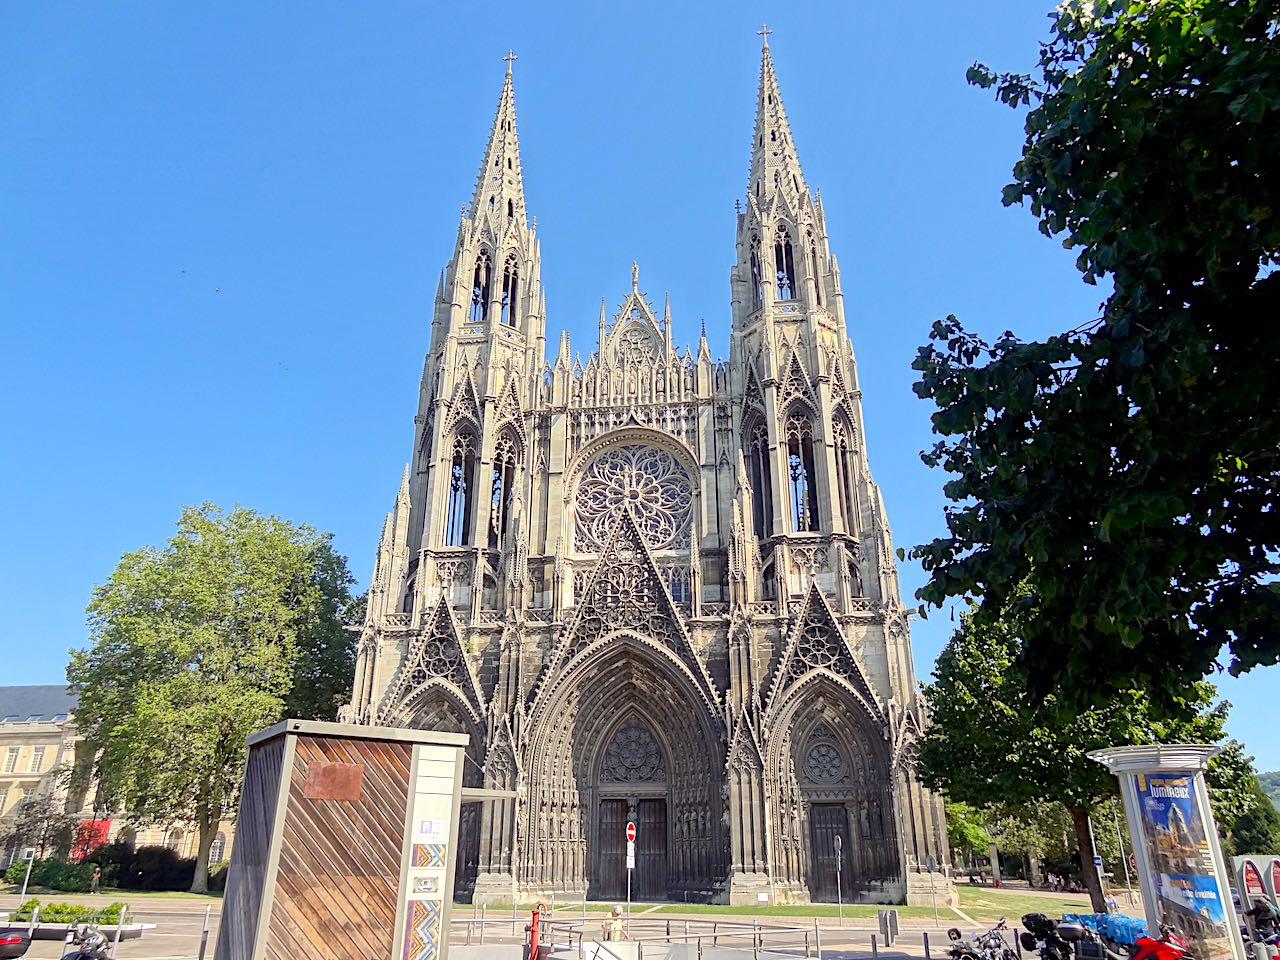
pixel 992 740
pixel 199 644
pixel 1126 470
pixel 967 829
pixel 1258 829
pixel 40 821
pixel 1271 786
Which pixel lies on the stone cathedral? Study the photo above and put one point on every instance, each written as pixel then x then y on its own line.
pixel 652 585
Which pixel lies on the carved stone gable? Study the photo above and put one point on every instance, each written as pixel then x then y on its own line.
pixel 626 591
pixel 436 654
pixel 817 643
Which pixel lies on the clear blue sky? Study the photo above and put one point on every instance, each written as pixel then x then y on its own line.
pixel 221 227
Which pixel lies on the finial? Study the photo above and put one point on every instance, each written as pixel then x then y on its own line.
pixel 510 58
pixel 635 275
pixel 704 328
pixel 764 32
pixel 462 210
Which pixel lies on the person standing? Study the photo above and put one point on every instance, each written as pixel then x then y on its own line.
pixel 95 879
pixel 613 925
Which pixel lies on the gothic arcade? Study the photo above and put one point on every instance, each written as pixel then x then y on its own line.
pixel 651 585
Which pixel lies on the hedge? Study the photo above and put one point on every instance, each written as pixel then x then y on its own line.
pixel 69 912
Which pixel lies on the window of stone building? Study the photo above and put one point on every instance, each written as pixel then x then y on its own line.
pixel 37 759
pixel 503 490
pixel 11 761
pixel 460 506
pixel 510 290
pixel 218 850
pixel 784 261
pixel 801 477
pixel 757 294
pixel 813 270
pixel 844 474
pixel 761 480
pixel 173 840
pixel 480 288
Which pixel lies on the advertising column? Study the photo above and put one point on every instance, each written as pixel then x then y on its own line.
pixel 1180 865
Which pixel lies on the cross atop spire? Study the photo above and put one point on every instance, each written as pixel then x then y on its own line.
pixel 510 58
pixel 763 33
pixel 500 185
pixel 775 166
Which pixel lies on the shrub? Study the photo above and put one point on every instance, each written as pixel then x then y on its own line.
pixel 146 868
pixel 53 873
pixel 69 912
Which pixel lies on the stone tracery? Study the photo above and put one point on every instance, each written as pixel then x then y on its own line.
pixel 645 480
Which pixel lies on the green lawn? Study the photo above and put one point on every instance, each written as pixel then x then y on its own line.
pixel 107 894
pixel 984 903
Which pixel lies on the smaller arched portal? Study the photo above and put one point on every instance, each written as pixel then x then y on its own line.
pixel 435 706
pixel 833 771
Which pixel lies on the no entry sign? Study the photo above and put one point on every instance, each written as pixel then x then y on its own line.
pixel 631 830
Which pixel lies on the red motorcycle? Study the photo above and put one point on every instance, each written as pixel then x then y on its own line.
pixel 1169 946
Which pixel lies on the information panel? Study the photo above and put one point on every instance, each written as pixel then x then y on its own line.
pixel 1180 857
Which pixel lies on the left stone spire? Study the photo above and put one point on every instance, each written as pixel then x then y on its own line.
pixel 500 185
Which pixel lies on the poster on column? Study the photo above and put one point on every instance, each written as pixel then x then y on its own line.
pixel 1180 855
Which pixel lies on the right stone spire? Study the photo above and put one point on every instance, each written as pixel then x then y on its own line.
pixel 775 166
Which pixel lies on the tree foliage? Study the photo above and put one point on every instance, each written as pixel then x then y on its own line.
pixel 967 829
pixel 199 644
pixel 40 821
pixel 1258 829
pixel 993 741
pixel 1126 470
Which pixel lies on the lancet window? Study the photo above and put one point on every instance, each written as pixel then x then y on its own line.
pixel 784 261
pixel 480 287
pixel 813 270
pixel 461 505
pixel 502 490
pixel 761 479
pixel 757 291
pixel 510 290
pixel 802 487
pixel 843 439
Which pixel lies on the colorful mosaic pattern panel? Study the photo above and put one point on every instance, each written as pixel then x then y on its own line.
pixel 428 855
pixel 422 930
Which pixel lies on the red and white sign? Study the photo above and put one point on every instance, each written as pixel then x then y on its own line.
pixel 1252 878
pixel 631 830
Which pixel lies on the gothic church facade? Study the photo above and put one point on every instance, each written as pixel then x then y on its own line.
pixel 651 585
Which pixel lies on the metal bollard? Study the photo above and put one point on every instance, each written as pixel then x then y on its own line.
pixel 806 943
pixel 927 955
pixel 35 917
pixel 715 938
pixel 1017 943
pixel 115 941
pixel 699 948
pixel 668 929
pixel 686 931
pixel 875 950
pixel 817 937
pixel 204 934
pixel 482 913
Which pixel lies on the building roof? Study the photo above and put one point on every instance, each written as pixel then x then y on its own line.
pixel 36 704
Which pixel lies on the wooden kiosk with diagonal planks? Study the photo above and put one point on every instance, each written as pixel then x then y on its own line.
pixel 345 844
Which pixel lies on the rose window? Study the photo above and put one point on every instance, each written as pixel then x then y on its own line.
pixel 633 756
pixel 824 764
pixel 648 482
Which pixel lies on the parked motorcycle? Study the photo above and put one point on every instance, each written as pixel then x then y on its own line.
pixel 984 946
pixel 13 943
pixel 90 944
pixel 1168 946
pixel 1064 940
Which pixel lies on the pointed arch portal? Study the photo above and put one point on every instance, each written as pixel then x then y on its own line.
pixel 624 735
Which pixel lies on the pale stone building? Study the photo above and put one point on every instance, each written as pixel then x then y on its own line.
pixel 39 745
pixel 651 585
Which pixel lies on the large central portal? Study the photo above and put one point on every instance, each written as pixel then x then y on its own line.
pixel 649 880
